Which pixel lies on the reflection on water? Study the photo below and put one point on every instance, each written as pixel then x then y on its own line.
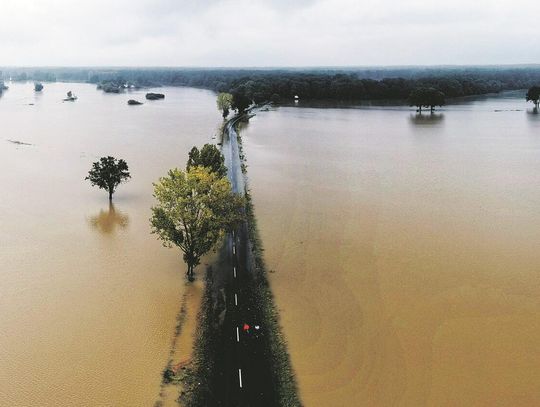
pixel 107 221
pixel 426 119
pixel 406 268
pixel 86 320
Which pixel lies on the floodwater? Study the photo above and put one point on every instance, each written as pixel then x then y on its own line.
pixel 88 298
pixel 404 251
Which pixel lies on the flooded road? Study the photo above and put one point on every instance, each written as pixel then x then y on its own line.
pixel 404 250
pixel 88 299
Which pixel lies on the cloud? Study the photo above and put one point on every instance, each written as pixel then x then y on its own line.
pixel 266 32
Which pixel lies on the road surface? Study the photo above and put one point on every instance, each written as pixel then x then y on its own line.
pixel 243 369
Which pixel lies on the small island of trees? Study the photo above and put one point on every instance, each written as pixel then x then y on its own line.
pixel 533 95
pixel 426 97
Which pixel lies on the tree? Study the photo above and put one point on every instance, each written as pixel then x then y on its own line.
pixel 208 156
pixel 224 103
pixel 426 97
pixel 240 101
pixel 533 95
pixel 195 207
pixel 108 173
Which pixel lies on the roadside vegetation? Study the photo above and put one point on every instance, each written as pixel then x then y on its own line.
pixel 195 207
pixel 224 103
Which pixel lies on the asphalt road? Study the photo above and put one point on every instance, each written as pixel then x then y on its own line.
pixel 242 370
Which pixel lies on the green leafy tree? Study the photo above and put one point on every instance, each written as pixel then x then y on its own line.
pixel 224 103
pixel 208 156
pixel 195 207
pixel 240 101
pixel 108 173
pixel 426 97
pixel 533 95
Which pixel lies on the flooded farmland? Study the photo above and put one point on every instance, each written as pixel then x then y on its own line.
pixel 404 250
pixel 88 297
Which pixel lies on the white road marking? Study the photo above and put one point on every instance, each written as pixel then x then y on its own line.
pixel 240 376
pixel 237 335
pixel 235 300
pixel 234 272
pixel 234 249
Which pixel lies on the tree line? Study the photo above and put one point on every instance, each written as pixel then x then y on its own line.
pixel 280 85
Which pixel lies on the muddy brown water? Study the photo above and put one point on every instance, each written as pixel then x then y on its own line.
pixel 405 250
pixel 88 298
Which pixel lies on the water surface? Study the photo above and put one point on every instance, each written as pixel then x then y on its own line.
pixel 405 250
pixel 89 298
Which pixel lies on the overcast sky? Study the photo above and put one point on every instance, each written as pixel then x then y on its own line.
pixel 267 32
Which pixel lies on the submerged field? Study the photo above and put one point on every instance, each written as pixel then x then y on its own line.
pixel 404 250
pixel 89 298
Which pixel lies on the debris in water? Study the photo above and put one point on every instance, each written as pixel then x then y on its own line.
pixel 20 143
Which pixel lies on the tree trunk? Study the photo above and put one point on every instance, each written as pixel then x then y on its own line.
pixel 420 109
pixel 190 272
pixel 431 108
pixel 110 195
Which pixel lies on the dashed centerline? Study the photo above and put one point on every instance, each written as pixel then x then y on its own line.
pixel 234 272
pixel 235 300
pixel 234 249
pixel 240 377
pixel 237 335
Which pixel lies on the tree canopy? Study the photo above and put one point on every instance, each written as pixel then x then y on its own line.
pixel 194 209
pixel 108 173
pixel 224 103
pixel 533 95
pixel 426 97
pixel 240 100
pixel 208 156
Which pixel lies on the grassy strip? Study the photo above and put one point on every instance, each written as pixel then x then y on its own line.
pixel 284 377
pixel 196 378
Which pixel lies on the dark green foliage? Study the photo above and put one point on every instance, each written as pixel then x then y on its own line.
pixel 533 95
pixel 334 84
pixel 240 100
pixel 108 173
pixel 168 376
pixel 208 156
pixel 426 97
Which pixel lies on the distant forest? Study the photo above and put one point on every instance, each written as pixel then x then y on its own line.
pixel 317 84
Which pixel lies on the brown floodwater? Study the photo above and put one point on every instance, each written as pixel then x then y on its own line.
pixel 405 250
pixel 88 298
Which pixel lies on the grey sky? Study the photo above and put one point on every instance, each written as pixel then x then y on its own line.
pixel 267 32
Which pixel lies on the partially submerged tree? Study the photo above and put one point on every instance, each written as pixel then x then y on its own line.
pixel 533 95
pixel 208 156
pixel 108 173
pixel 224 103
pixel 426 97
pixel 195 207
